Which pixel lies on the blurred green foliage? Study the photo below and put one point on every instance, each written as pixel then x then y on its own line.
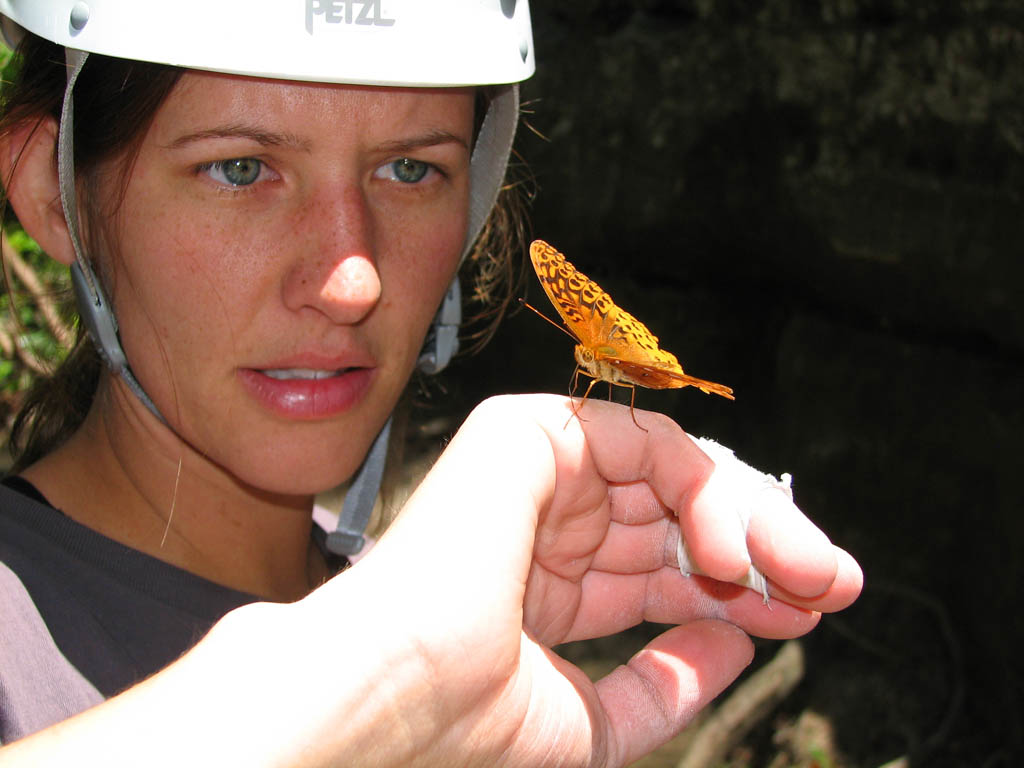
pixel 36 317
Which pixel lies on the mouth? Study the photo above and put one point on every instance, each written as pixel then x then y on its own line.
pixel 307 394
pixel 302 374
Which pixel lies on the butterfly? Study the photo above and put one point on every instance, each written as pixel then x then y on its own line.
pixel 613 346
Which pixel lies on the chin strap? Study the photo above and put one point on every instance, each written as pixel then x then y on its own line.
pixel 486 174
pixel 93 307
pixel 443 337
pixel 348 538
pixel 489 161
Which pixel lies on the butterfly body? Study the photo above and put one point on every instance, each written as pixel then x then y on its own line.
pixel 613 345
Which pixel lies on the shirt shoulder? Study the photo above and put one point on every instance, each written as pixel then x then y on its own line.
pixel 116 614
pixel 38 685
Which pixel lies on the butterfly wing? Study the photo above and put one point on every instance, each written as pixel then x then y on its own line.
pixel 656 377
pixel 583 306
pixel 634 342
pixel 635 354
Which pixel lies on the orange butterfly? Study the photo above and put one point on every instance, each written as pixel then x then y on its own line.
pixel 613 345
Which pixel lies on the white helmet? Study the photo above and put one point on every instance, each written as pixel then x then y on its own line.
pixel 369 42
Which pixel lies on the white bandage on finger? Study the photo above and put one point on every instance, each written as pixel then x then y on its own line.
pixel 744 485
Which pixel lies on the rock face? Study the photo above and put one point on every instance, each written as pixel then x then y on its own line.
pixel 819 204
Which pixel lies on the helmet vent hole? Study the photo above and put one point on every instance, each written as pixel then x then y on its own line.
pixel 508 7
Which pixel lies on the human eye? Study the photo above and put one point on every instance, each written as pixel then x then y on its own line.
pixel 405 170
pixel 236 172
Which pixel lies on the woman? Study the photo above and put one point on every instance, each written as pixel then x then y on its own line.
pixel 261 243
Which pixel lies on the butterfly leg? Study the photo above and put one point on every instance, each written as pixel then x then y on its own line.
pixel 572 388
pixel 572 403
pixel 575 382
pixel 632 399
pixel 572 393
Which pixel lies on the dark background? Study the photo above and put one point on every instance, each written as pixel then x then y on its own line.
pixel 819 204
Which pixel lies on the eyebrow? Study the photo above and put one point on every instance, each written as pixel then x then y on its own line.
pixel 264 138
pixel 429 139
pixel 273 139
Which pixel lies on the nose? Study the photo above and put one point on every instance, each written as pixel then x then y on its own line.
pixel 335 274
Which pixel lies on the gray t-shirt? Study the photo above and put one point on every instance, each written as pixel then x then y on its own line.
pixel 83 617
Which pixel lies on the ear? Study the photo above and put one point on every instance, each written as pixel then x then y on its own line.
pixel 28 169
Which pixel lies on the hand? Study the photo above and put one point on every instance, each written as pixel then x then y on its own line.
pixel 434 649
pixel 530 532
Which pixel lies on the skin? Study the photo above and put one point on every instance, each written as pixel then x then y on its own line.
pixel 325 261
pixel 554 533
pixel 533 528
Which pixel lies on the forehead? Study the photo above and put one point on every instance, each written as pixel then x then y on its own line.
pixel 203 97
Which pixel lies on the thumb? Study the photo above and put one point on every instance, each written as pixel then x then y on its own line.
pixel 659 691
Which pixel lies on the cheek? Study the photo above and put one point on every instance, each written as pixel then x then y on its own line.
pixel 178 287
pixel 418 275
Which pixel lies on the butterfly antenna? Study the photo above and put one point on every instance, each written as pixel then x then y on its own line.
pixel 562 328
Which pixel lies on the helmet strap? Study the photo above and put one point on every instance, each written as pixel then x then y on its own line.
pixel 93 306
pixel 490 159
pixel 486 175
pixel 443 337
pixel 347 538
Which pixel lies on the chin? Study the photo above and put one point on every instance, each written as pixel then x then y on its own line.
pixel 297 474
pixel 297 458
pixel 287 491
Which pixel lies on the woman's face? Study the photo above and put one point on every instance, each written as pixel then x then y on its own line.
pixel 276 260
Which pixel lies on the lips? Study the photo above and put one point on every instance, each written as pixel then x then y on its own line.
pixel 307 393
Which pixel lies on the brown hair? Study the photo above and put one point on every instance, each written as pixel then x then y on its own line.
pixel 115 102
